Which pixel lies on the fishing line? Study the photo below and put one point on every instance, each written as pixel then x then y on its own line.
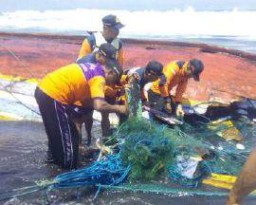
pixel 13 82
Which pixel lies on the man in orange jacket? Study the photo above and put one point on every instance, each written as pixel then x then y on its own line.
pixel 61 92
pixel 176 73
pixel 111 27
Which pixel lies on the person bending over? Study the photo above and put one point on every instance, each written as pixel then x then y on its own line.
pixel 60 93
pixel 176 74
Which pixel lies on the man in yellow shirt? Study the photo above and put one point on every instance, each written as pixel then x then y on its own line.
pixel 61 92
pixel 111 27
pixel 177 74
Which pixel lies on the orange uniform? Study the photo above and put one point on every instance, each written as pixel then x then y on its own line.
pixel 91 43
pixel 94 40
pixel 175 75
pixel 75 84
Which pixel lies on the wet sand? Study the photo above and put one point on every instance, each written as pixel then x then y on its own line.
pixel 226 70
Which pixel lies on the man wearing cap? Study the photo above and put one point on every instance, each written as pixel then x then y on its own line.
pixel 59 94
pixel 176 73
pixel 143 75
pixel 111 26
pixel 106 51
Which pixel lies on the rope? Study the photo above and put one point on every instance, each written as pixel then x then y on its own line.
pixel 18 59
pixel 12 83
pixel 159 189
pixel 109 171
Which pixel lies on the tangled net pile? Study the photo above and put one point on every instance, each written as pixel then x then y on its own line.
pixel 148 151
pixel 146 148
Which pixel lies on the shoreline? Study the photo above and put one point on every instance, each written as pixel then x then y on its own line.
pixel 227 72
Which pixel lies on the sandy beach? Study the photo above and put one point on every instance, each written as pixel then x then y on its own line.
pixel 228 73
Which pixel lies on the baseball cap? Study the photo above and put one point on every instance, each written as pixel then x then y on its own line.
pixel 107 50
pixel 110 53
pixel 115 66
pixel 155 67
pixel 113 21
pixel 198 68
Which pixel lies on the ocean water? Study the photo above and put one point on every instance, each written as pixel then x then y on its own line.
pixel 231 28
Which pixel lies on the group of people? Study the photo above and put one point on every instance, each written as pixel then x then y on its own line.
pixel 68 95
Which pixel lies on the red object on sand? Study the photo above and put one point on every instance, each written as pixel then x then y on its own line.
pixel 227 73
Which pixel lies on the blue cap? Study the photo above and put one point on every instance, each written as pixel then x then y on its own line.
pixel 198 68
pixel 112 21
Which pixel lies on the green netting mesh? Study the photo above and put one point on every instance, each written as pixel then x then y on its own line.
pixel 146 148
pixel 152 149
pixel 197 146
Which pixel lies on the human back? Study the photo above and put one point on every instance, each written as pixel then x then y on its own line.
pixel 71 84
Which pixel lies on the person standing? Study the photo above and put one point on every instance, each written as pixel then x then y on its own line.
pixel 111 27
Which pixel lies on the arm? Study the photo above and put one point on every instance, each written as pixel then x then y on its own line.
pixel 102 106
pixel 165 93
pixel 97 85
pixel 169 71
pixel 120 57
pixel 246 181
pixel 110 91
pixel 163 87
pixel 85 49
pixel 181 88
pixel 117 43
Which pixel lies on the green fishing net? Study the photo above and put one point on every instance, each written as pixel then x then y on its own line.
pixel 152 148
pixel 146 148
